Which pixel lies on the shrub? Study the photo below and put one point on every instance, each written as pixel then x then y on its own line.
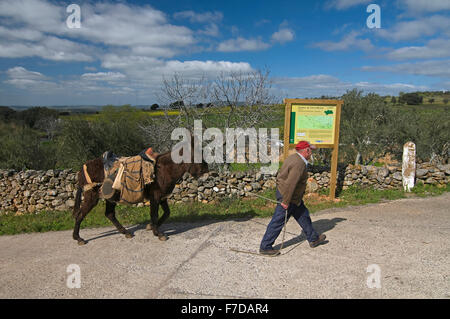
pixel 366 127
pixel 116 129
pixel 21 148
pixel 411 99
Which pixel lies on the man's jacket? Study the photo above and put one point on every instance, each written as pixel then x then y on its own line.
pixel 291 179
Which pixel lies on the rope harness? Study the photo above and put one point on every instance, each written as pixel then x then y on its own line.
pixel 284 227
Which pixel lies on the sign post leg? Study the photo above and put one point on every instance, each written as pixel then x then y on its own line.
pixel 334 162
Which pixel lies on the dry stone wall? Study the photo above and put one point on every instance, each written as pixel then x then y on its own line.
pixel 389 177
pixel 34 191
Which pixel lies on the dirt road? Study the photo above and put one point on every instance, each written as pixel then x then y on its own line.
pixel 405 243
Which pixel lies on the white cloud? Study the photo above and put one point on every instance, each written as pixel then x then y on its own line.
pixel 22 78
pixel 313 83
pixel 34 28
pixel 19 72
pixel 195 17
pixel 50 48
pixel 115 61
pixel 152 51
pixel 210 30
pixel 348 42
pixel 242 44
pixel 131 77
pixel 20 34
pixel 38 15
pixel 136 46
pixel 85 87
pixel 392 87
pixel 209 68
pixel 434 68
pixel 436 48
pixel 283 35
pixel 323 84
pixel 150 70
pixel 344 4
pixel 416 29
pixel 43 31
pixel 123 91
pixel 425 5
pixel 85 90
pixel 127 26
pixel 103 76
pixel 90 68
pixel 237 44
pixel 211 19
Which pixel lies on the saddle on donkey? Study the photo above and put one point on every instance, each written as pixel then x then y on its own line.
pixel 126 177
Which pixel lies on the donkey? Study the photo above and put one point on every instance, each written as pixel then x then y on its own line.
pixel 167 174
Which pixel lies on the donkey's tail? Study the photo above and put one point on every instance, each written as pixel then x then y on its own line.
pixel 76 207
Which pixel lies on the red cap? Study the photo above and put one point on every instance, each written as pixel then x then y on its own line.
pixel 304 144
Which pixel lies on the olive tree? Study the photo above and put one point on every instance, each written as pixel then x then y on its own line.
pixel 367 126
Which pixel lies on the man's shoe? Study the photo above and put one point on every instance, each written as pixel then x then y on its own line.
pixel 269 252
pixel 317 242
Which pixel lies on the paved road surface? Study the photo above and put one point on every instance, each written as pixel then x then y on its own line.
pixel 408 239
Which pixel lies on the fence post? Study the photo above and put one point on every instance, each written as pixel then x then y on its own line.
pixel 409 165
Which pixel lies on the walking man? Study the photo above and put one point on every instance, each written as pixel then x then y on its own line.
pixel 291 185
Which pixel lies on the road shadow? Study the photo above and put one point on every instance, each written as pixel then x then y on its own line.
pixel 321 226
pixel 175 226
pixel 104 234
pixel 178 227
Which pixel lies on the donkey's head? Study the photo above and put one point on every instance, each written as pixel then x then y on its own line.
pixel 198 169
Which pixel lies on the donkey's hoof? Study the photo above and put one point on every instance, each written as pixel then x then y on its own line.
pixel 81 242
pixel 163 237
pixel 129 235
pixel 148 227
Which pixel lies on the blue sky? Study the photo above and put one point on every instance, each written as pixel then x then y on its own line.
pixel 123 49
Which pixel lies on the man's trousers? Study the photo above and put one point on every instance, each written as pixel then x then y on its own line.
pixel 301 215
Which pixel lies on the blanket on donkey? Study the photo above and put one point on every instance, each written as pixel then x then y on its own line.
pixel 130 175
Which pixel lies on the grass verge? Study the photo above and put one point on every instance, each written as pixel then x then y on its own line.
pixel 230 208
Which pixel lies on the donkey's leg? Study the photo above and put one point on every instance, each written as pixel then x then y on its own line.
pixel 111 214
pixel 89 201
pixel 154 208
pixel 153 216
pixel 165 207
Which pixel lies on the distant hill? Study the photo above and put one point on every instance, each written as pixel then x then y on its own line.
pixel 96 108
pixel 75 108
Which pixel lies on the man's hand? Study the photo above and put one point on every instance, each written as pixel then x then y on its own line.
pixel 284 206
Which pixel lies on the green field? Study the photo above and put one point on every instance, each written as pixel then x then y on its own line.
pixel 436 98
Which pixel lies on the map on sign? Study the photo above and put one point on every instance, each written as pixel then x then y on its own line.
pixel 312 123
pixel 317 122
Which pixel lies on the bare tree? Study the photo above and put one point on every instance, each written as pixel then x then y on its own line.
pixel 241 100
pixel 183 95
pixel 50 125
pixel 247 95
